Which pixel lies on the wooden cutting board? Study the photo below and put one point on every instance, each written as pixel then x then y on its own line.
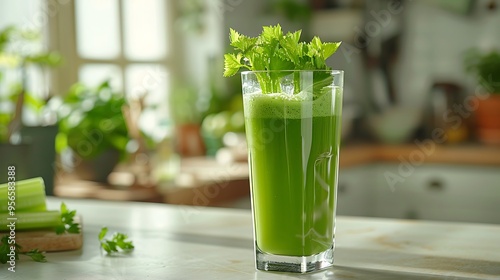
pixel 49 241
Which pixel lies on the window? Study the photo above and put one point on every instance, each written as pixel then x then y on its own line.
pixel 125 41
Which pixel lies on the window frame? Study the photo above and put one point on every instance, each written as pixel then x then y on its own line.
pixel 62 36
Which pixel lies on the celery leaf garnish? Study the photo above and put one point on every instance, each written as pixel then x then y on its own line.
pixel 68 225
pixel 273 50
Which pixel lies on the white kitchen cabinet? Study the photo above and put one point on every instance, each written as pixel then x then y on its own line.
pixel 440 192
pixel 354 195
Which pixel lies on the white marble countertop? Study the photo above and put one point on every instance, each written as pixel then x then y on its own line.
pixel 184 242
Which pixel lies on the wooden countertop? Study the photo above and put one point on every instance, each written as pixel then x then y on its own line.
pixel 183 242
pixel 473 155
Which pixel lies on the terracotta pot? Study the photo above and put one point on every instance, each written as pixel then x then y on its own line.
pixel 189 141
pixel 488 119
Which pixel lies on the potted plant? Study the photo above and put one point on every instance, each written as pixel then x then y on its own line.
pixel 187 118
pixel 93 127
pixel 27 127
pixel 485 66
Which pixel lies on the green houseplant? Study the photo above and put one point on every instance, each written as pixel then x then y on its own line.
pixel 485 66
pixel 93 127
pixel 27 125
pixel 19 51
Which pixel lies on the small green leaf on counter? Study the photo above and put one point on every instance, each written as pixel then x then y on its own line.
pixel 34 254
pixel 5 249
pixel 103 233
pixel 117 243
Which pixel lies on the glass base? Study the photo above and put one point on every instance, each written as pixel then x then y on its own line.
pixel 270 262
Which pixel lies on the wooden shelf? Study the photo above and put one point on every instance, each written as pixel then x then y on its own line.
pixel 471 155
pixel 201 181
pixel 75 188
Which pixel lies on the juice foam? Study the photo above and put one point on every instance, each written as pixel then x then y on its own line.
pixel 279 105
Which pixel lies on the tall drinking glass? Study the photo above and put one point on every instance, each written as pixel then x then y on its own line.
pixel 292 121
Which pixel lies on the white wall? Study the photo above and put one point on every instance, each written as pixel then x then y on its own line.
pixel 248 17
pixel 197 48
pixel 435 42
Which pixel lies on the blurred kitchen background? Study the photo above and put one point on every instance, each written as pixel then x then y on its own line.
pixel 125 100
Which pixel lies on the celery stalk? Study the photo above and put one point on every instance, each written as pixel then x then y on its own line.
pixel 29 195
pixel 28 220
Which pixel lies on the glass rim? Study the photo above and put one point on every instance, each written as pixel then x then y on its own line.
pixel 333 71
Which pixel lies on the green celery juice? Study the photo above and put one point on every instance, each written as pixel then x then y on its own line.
pixel 294 148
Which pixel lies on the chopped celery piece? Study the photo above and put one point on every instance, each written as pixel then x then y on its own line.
pixel 31 220
pixel 29 195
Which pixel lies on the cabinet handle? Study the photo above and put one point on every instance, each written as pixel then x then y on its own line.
pixel 411 215
pixel 436 185
pixel 342 188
